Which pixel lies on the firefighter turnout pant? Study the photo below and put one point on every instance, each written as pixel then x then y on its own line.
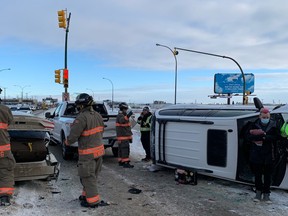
pixel 7 165
pixel 88 171
pixel 123 151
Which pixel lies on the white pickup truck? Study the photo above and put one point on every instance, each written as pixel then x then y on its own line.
pixel 63 117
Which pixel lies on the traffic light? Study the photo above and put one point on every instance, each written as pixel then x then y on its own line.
pixel 62 19
pixel 57 76
pixel 65 77
pixel 246 100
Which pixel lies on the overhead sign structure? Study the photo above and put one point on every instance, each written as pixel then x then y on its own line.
pixel 228 83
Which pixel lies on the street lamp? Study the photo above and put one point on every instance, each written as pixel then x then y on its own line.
pixel 112 91
pixel 91 91
pixel 22 88
pixel 174 54
pixel 5 69
pixel 211 54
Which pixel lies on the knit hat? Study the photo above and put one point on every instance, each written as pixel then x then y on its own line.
pixel 264 110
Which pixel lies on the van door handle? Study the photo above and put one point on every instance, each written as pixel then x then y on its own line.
pixel 230 130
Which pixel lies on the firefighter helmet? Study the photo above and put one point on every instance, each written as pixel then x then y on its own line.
pixel 123 106
pixel 84 99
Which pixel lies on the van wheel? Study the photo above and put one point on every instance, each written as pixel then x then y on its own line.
pixel 115 151
pixel 66 151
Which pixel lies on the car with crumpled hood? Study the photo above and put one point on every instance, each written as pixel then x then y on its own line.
pixel 29 139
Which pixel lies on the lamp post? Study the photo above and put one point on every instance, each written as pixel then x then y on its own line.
pixel 174 54
pixel 91 91
pixel 216 55
pixel 5 69
pixel 112 91
pixel 22 89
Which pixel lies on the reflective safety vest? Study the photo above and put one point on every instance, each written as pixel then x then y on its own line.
pixel 147 124
pixel 284 130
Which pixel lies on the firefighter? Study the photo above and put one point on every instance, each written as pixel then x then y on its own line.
pixel 124 135
pixel 7 161
pixel 145 126
pixel 87 129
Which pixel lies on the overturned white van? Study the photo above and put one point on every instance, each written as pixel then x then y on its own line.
pixel 209 139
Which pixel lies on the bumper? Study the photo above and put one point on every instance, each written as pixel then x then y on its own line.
pixel 46 169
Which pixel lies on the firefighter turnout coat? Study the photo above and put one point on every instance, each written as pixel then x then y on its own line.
pixel 124 136
pixel 7 161
pixel 87 129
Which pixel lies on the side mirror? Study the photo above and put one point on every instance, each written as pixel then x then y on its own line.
pixel 48 115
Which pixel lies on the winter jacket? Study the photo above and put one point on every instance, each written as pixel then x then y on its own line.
pixel 6 119
pixel 87 129
pixel 123 127
pixel 262 143
pixel 145 122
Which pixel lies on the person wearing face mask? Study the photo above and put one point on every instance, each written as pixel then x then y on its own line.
pixel 262 134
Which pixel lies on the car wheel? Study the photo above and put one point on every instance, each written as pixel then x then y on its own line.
pixel 115 151
pixel 66 150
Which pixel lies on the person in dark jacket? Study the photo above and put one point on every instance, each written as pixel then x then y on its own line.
pixel 262 134
pixel 87 129
pixel 145 127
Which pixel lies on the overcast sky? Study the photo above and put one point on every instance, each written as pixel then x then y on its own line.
pixel 116 39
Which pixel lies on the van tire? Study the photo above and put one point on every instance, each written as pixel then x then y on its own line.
pixel 115 151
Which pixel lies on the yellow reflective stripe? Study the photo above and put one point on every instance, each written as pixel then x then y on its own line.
pixel 6 147
pixel 96 151
pixel 124 138
pixel 92 131
pixel 3 125
pixel 123 125
pixel 94 199
pixel 125 159
pixel 6 191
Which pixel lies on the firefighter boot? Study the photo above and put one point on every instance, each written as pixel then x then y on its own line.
pixel 257 198
pixel 266 198
pixel 85 204
pixel 82 197
pixel 5 200
pixel 127 165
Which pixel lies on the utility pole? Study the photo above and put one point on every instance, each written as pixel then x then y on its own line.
pixel 64 23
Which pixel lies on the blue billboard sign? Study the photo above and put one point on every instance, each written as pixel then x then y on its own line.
pixel 227 83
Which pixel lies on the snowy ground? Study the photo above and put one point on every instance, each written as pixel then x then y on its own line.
pixel 160 195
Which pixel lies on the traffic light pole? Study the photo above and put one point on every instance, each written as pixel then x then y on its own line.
pixel 66 45
pixel 211 54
